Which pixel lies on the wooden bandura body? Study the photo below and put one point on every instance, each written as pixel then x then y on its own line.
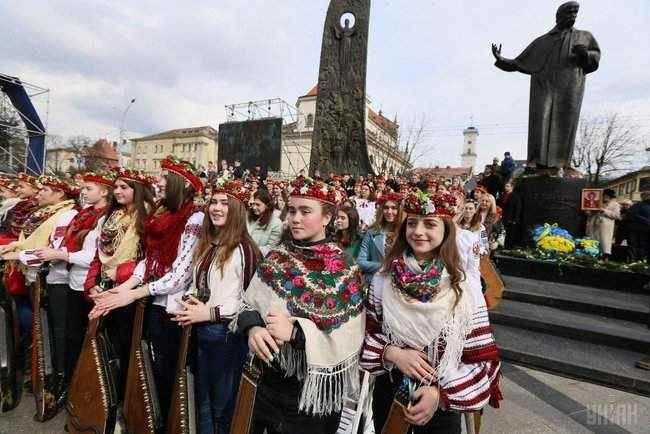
pixel 141 408
pixel 93 393
pixel 41 349
pixel 182 412
pixel 495 285
pixel 243 416
pixel 396 422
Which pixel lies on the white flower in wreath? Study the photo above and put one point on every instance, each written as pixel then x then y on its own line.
pixel 430 208
pixel 304 189
pixel 324 190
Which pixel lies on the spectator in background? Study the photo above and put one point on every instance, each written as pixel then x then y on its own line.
pixel 365 204
pixel 600 224
pixel 639 227
pixel 212 172
pixel 491 220
pixel 507 166
pixel 511 204
pixel 493 182
pixel 264 226
pixel 347 230
pixel 238 171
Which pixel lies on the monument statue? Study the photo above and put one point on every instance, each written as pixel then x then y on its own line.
pixel 558 63
pixel 339 138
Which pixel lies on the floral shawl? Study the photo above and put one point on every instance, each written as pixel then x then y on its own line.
pixel 324 291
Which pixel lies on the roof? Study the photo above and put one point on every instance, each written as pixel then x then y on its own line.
pixel 312 92
pixel 627 175
pixel 444 171
pixel 382 122
pixel 205 131
pixel 103 150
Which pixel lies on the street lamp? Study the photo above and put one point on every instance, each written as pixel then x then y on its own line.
pixel 122 131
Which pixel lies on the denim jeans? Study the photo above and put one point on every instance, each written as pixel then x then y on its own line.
pixel 219 362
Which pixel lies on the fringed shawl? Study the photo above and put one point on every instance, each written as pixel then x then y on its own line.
pixel 39 234
pixel 439 325
pixel 324 292
pixel 119 241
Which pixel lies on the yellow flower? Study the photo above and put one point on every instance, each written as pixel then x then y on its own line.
pixel 555 243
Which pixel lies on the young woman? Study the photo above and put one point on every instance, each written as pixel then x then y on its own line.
pixel 420 304
pixel 347 230
pixel 225 261
pixel 264 226
pixel 491 220
pixel 365 203
pixel 119 249
pixel 46 228
pixel 170 236
pixel 470 220
pixel 9 198
pixel 381 235
pixel 600 224
pixel 303 316
pixel 76 252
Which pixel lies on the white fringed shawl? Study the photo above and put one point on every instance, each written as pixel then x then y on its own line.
pixel 434 325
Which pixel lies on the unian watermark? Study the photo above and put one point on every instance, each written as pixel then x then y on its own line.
pixel 613 414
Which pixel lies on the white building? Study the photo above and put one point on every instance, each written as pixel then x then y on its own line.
pixel 381 137
pixel 468 153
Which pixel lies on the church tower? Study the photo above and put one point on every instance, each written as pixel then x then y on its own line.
pixel 468 154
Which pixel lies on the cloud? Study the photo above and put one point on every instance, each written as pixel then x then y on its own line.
pixel 183 62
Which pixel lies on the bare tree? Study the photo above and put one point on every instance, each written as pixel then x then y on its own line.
pixel 413 140
pixel 604 146
pixel 13 140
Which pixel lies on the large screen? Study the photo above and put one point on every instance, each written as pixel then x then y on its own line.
pixel 254 143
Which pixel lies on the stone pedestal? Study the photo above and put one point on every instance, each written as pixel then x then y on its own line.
pixel 547 199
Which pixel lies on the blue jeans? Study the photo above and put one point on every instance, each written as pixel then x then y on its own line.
pixel 220 359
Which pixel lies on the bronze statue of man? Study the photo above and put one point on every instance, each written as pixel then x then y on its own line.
pixel 558 63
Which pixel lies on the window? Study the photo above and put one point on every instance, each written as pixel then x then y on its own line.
pixel 310 120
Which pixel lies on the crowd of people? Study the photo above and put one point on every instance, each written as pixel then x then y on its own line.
pixel 319 279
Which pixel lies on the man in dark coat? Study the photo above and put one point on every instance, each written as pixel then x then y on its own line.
pixel 558 63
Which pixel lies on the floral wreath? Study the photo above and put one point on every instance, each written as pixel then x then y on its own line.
pixel 59 184
pixel 313 189
pixel 104 178
pixel 390 196
pixel 135 176
pixel 182 168
pixel 232 188
pixel 29 179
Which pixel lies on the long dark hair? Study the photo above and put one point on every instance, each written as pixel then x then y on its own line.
pixel 142 200
pixel 381 223
pixel 229 237
pixel 447 252
pixel 347 237
pixel 263 220
pixel 176 192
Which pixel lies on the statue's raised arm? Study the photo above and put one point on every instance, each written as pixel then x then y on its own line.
pixel 558 63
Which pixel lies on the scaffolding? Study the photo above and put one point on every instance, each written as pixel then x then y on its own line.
pixel 40 96
pixel 275 108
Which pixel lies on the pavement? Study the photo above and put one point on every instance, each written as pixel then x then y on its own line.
pixel 535 402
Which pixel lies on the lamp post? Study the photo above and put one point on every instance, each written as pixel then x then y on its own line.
pixel 122 131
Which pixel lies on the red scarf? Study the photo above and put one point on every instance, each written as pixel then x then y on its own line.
pixel 81 224
pixel 21 213
pixel 162 234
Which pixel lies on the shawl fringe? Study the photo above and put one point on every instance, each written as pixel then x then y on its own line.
pixel 324 388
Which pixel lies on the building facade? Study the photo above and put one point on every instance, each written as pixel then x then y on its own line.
pixel 197 145
pixel 381 138
pixel 63 160
pixel 630 185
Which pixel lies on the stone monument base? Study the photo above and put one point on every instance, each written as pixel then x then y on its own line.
pixel 547 199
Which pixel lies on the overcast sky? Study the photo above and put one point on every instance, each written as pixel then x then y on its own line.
pixel 184 61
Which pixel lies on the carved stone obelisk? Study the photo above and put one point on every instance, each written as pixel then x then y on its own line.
pixel 339 139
